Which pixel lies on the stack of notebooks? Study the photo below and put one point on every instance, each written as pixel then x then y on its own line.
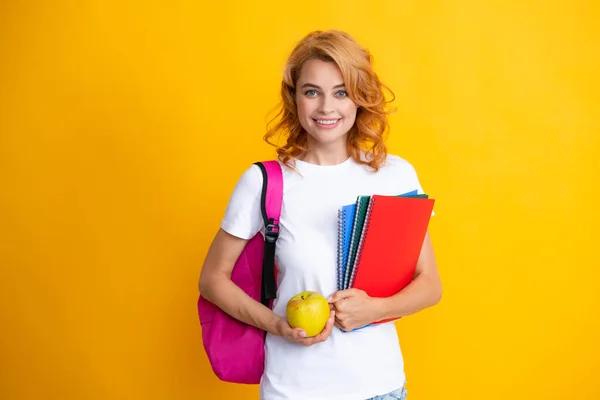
pixel 379 242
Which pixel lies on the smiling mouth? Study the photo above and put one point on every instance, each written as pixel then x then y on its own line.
pixel 326 122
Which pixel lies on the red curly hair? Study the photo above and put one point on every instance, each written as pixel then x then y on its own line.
pixel 362 85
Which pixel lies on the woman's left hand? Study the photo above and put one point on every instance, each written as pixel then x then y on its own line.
pixel 353 309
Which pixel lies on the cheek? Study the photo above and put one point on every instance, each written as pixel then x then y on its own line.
pixel 303 114
pixel 302 108
pixel 350 111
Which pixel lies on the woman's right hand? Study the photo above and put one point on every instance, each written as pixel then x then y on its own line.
pixel 298 335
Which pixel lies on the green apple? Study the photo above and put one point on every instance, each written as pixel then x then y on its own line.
pixel 308 310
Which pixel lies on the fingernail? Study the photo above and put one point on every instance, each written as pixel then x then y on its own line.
pixel 302 334
pixel 329 298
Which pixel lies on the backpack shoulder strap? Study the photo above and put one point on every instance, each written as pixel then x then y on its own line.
pixel 271 199
pixel 272 194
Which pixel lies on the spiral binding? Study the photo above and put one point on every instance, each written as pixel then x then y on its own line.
pixel 361 242
pixel 346 277
pixel 354 237
pixel 340 250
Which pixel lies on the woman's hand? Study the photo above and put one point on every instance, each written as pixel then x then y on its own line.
pixel 298 335
pixel 354 309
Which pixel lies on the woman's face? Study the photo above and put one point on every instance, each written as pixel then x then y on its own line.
pixel 324 109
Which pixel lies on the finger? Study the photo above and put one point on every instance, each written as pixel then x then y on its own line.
pixel 309 341
pixel 298 333
pixel 330 322
pixel 305 341
pixel 340 305
pixel 327 329
pixel 324 334
pixel 336 296
pixel 341 326
pixel 342 294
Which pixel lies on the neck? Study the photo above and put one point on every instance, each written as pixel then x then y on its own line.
pixel 331 154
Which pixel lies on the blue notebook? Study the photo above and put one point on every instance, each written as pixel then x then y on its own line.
pixel 345 219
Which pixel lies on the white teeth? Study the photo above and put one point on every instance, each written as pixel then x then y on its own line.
pixel 328 122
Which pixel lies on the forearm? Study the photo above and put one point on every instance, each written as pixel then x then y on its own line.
pixel 221 291
pixel 424 291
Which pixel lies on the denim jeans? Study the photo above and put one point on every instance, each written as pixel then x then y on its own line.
pixel 396 394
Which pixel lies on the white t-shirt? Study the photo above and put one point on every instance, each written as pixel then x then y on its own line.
pixel 349 365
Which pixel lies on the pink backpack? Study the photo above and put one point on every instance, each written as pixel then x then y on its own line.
pixel 236 350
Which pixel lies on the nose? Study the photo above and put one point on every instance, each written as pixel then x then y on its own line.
pixel 326 105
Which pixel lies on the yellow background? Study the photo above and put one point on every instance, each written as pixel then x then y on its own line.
pixel 124 126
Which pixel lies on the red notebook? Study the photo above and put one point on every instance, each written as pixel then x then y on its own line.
pixel 391 242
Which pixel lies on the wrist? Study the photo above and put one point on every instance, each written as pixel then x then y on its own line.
pixel 274 325
pixel 381 308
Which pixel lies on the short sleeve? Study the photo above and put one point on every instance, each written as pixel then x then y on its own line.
pixel 417 185
pixel 414 177
pixel 243 217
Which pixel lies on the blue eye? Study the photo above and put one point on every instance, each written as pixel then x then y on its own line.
pixel 342 93
pixel 311 93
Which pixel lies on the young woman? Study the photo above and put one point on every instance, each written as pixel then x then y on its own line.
pixel 334 117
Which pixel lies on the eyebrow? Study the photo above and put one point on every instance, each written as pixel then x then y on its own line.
pixel 312 85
